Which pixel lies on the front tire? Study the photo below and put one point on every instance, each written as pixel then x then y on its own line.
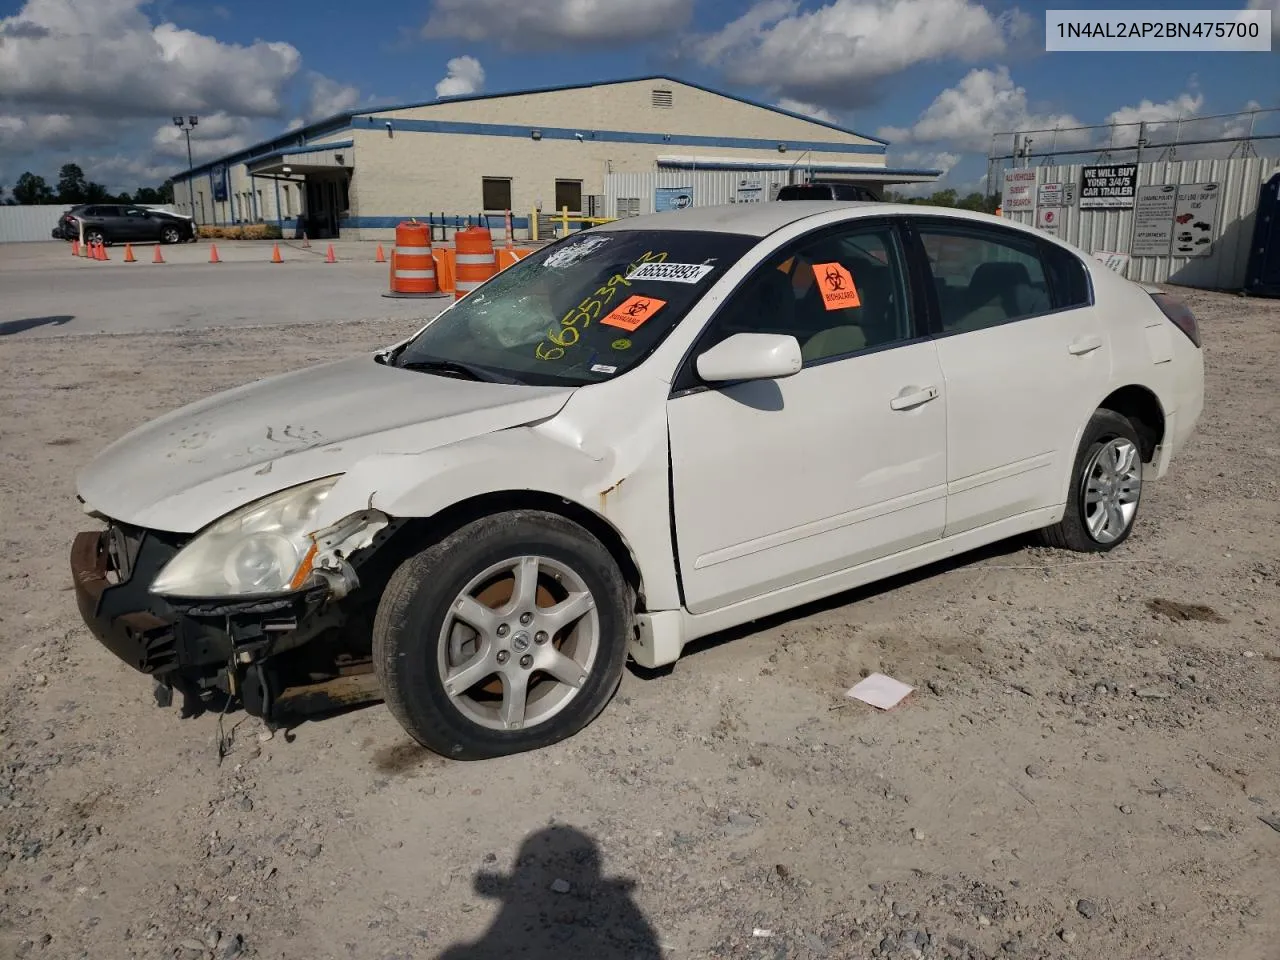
pixel 170 235
pixel 508 635
pixel 1106 488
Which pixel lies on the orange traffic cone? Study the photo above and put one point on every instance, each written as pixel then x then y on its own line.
pixel 128 254
pixel 275 254
pixel 381 257
pixel 159 257
pixel 75 247
pixel 213 253
pixel 306 244
pixel 102 251
pixel 329 257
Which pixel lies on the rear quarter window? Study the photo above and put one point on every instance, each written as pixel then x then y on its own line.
pixel 1068 280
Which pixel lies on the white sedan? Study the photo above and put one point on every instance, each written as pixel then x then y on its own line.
pixel 640 435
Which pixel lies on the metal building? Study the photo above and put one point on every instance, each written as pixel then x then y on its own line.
pixel 359 173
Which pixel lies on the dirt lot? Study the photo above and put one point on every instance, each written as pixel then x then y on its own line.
pixel 1089 767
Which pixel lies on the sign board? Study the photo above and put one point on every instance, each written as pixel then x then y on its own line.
pixel 1049 219
pixel 1153 220
pixel 672 198
pixel 1049 195
pixel 1112 261
pixel 218 177
pixel 750 191
pixel 1195 217
pixel 1110 187
pixel 1019 190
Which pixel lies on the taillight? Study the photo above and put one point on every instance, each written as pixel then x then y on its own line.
pixel 1179 314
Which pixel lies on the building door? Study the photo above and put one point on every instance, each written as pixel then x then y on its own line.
pixel 323 197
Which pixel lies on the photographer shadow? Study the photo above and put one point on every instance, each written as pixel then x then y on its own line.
pixel 540 919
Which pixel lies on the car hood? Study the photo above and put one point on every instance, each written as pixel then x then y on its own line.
pixel 195 464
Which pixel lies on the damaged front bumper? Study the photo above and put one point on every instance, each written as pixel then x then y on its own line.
pixel 195 647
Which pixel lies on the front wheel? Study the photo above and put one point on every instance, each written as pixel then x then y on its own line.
pixel 1106 487
pixel 509 635
pixel 170 235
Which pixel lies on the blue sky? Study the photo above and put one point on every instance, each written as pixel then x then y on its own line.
pixel 96 80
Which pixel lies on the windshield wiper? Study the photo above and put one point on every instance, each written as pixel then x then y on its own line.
pixel 467 370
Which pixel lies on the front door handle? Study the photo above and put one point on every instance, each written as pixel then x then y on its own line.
pixel 909 401
pixel 1085 345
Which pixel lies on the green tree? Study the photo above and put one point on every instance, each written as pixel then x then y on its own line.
pixel 72 186
pixel 147 195
pixel 31 188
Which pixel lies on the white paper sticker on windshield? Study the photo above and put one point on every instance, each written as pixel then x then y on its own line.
pixel 603 368
pixel 573 252
pixel 671 272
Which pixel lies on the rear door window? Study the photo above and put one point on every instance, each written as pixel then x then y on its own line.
pixel 984 276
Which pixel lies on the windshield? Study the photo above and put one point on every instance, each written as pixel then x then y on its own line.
pixel 579 311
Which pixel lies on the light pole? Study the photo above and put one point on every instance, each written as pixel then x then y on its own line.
pixel 187 128
pixel 191 122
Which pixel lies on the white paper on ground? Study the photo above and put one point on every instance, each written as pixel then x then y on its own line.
pixel 879 691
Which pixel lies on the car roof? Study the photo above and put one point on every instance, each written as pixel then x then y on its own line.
pixel 762 219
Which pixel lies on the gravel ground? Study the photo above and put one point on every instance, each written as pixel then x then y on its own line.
pixel 1088 767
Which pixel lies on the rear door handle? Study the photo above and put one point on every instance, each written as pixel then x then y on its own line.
pixel 908 401
pixel 1085 345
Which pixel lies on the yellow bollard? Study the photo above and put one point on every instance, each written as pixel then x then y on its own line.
pixel 564 219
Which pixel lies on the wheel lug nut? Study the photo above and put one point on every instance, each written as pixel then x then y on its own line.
pixel 503 656
pixel 541 637
pixel 503 629
pixel 526 618
pixel 526 661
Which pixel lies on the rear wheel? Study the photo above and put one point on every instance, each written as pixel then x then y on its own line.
pixel 95 236
pixel 509 635
pixel 1106 488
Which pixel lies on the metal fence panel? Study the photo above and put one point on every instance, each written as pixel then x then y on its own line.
pixel 21 224
pixel 1241 180
pixel 709 187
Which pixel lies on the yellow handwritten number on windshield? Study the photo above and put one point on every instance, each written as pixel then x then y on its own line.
pixel 566 335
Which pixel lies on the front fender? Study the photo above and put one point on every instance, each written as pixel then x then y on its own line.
pixel 624 483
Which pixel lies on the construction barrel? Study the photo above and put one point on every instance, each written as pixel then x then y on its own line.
pixel 475 261
pixel 413 268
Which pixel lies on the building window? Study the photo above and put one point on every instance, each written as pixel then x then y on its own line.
pixel 569 194
pixel 288 204
pixel 663 99
pixel 495 193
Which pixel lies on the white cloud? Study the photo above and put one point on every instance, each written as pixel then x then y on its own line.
pixel 556 23
pixel 214 136
pixel 837 54
pixel 982 103
pixel 1274 7
pixel 37 131
pixel 464 76
pixel 808 109
pixel 328 96
pixel 943 160
pixel 107 58
pixel 123 172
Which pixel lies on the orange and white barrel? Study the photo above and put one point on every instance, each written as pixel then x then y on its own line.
pixel 474 259
pixel 413 268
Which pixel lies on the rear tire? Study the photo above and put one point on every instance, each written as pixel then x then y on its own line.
pixel 1106 488
pixel 470 648
pixel 96 237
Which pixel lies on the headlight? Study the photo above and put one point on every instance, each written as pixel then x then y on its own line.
pixel 262 548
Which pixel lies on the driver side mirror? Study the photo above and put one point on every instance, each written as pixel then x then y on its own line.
pixel 751 356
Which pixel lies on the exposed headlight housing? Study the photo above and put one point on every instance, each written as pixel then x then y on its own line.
pixel 264 548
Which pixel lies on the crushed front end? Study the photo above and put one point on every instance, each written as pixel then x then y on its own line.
pixel 246 649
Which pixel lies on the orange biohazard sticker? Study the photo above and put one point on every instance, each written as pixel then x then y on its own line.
pixel 632 312
pixel 836 286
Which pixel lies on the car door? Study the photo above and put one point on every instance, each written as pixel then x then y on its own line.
pixel 137 224
pixel 777 482
pixel 1025 357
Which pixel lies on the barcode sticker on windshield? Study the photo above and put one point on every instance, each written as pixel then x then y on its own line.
pixel 671 272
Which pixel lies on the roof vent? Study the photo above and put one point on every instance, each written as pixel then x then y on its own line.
pixel 663 99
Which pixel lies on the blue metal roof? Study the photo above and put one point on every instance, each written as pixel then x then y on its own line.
pixel 340 121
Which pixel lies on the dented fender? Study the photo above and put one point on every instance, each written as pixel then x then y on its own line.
pixel 623 482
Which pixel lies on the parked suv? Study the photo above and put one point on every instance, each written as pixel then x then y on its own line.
pixel 826 190
pixel 124 223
